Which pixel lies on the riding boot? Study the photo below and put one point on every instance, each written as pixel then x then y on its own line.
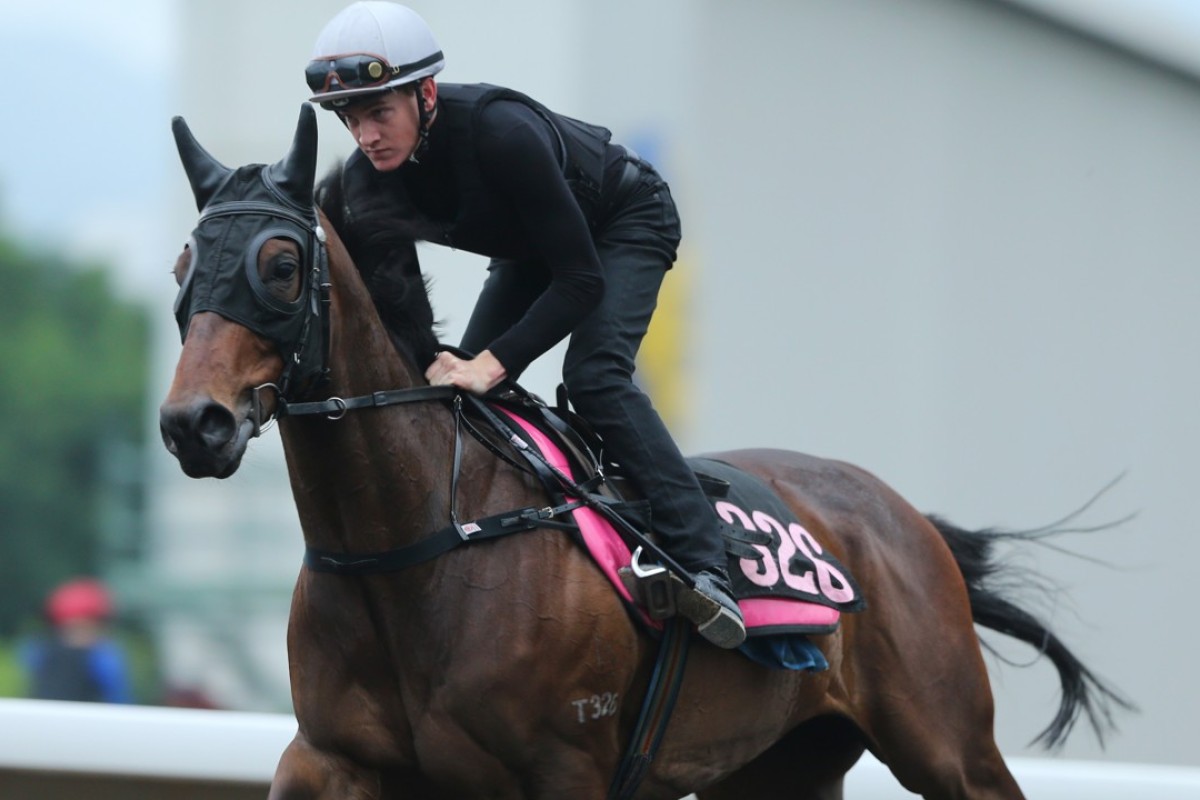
pixel 711 606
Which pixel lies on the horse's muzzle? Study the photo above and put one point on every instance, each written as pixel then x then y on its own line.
pixel 205 436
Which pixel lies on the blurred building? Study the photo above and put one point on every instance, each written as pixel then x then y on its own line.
pixel 948 240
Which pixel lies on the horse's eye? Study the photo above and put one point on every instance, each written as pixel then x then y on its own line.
pixel 284 268
pixel 278 265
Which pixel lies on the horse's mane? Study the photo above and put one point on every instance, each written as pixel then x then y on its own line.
pixel 371 225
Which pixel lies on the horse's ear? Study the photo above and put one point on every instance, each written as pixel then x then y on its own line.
pixel 296 173
pixel 204 172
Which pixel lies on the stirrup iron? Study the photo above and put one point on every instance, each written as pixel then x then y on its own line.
pixel 651 586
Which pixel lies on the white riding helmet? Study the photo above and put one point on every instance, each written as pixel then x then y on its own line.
pixel 371 46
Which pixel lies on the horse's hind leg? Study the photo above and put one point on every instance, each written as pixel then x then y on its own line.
pixel 809 763
pixel 930 714
pixel 983 776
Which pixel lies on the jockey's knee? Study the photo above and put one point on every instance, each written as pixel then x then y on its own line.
pixel 590 387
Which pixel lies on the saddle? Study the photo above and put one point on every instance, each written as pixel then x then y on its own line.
pixel 787 584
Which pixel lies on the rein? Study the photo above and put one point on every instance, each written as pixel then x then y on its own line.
pixel 449 537
pixel 457 532
pixel 335 408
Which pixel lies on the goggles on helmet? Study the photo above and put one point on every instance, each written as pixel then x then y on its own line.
pixel 357 71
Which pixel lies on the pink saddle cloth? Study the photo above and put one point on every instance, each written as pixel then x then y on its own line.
pixel 793 586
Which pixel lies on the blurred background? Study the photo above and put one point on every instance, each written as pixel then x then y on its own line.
pixel 946 240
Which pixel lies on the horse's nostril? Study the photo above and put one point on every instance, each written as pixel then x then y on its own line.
pixel 203 435
pixel 215 425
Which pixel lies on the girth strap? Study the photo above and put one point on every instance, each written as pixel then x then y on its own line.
pixel 656 710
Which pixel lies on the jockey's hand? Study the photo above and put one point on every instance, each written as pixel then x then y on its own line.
pixel 477 375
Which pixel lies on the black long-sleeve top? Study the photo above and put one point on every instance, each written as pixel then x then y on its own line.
pixel 530 214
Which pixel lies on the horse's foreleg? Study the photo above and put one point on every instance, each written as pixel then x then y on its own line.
pixel 306 773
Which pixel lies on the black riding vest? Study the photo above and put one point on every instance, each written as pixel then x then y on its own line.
pixel 582 150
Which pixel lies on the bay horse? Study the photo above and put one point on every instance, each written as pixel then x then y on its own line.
pixel 466 676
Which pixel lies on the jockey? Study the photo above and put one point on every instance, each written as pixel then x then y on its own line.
pixel 580 233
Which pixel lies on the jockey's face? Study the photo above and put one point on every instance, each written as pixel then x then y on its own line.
pixel 386 125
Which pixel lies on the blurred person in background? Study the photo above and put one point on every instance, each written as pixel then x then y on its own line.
pixel 76 659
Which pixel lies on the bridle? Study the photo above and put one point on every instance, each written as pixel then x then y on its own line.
pixel 299 329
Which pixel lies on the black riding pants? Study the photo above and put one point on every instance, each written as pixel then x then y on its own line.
pixel 636 246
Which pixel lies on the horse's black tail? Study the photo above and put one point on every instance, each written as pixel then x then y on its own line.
pixel 1082 691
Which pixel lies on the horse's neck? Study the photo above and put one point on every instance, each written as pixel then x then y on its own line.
pixel 356 477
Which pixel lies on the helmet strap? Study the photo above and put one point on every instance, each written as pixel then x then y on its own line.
pixel 424 120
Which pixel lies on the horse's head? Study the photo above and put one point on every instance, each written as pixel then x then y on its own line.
pixel 253 290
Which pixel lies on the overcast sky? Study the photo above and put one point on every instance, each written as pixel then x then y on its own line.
pixel 85 128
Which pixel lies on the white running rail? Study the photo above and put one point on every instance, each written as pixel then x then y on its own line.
pixel 157 745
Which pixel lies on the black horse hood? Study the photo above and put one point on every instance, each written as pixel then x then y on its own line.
pixel 240 211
